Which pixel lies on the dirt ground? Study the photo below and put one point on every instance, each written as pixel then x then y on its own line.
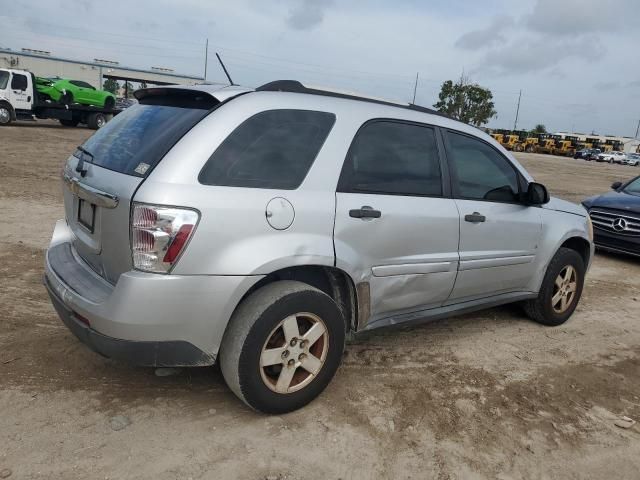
pixel 486 395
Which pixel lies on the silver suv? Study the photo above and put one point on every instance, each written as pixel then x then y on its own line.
pixel 262 227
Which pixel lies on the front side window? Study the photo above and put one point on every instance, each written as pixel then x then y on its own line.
pixel 273 149
pixel 4 79
pixel 633 187
pixel 79 83
pixel 481 173
pixel 393 158
pixel 19 82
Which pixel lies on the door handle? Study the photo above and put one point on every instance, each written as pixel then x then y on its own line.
pixel 475 217
pixel 365 212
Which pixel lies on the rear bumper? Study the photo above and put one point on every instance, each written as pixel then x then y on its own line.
pixel 150 354
pixel 145 318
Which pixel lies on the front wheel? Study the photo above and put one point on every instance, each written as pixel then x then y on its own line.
pixel 66 98
pixel 282 347
pixel 109 103
pixel 5 115
pixel 560 291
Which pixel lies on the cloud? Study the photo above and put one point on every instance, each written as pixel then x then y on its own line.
pixel 532 54
pixel 307 14
pixel 578 17
pixel 484 37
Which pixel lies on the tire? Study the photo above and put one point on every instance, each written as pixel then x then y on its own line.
pixel 6 114
pixel 256 327
pixel 66 98
pixel 541 309
pixel 96 120
pixel 109 103
pixel 70 123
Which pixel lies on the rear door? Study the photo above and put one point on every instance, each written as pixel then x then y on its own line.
pixel 396 229
pixel 103 175
pixel 498 234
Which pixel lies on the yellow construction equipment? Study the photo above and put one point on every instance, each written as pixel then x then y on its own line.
pixel 564 148
pixel 546 143
pixel 510 141
pixel 498 137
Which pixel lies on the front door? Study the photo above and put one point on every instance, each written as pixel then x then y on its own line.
pixel 20 95
pixel 498 234
pixel 396 229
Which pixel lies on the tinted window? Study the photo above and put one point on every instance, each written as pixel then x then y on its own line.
pixel 19 82
pixel 393 158
pixel 4 79
pixel 79 83
pixel 273 149
pixel 137 139
pixel 482 173
pixel 633 187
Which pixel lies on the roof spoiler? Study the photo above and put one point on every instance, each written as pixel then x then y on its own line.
pixel 176 97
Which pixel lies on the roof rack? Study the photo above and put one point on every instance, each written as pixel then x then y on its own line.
pixel 294 86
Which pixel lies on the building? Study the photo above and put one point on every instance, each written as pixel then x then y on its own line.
pixel 43 64
pixel 629 144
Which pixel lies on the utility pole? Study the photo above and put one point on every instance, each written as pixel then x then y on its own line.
pixel 415 88
pixel 206 58
pixel 515 123
pixel 637 130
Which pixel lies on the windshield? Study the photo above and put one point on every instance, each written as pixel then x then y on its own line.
pixel 633 188
pixel 4 79
pixel 137 139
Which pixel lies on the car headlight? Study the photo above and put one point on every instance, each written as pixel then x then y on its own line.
pixel 590 227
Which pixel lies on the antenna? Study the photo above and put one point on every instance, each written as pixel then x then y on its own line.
pixel 415 88
pixel 515 123
pixel 225 69
pixel 206 58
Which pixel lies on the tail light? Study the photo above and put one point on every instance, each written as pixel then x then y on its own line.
pixel 159 235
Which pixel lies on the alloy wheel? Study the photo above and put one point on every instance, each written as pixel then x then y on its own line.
pixel 5 115
pixel 294 353
pixel 564 289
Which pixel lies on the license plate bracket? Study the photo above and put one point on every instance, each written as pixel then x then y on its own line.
pixel 86 215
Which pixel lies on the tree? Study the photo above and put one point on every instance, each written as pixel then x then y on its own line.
pixel 466 101
pixel 111 85
pixel 539 128
pixel 129 89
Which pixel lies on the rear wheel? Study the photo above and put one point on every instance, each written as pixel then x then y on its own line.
pixel 96 120
pixel 282 347
pixel 560 291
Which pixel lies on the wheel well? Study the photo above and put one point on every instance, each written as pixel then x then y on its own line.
pixel 581 246
pixel 332 281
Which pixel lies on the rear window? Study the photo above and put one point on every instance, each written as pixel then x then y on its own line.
pixel 138 138
pixel 273 149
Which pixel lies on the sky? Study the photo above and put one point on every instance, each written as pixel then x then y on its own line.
pixel 576 61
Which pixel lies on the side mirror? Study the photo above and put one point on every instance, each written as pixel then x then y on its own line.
pixel 616 185
pixel 537 194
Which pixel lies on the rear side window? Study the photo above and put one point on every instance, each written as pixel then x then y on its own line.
pixel 393 158
pixel 481 173
pixel 139 137
pixel 273 149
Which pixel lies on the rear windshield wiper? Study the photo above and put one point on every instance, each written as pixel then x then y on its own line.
pixel 80 166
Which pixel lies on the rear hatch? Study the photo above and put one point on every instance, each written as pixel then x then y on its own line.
pixel 102 176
